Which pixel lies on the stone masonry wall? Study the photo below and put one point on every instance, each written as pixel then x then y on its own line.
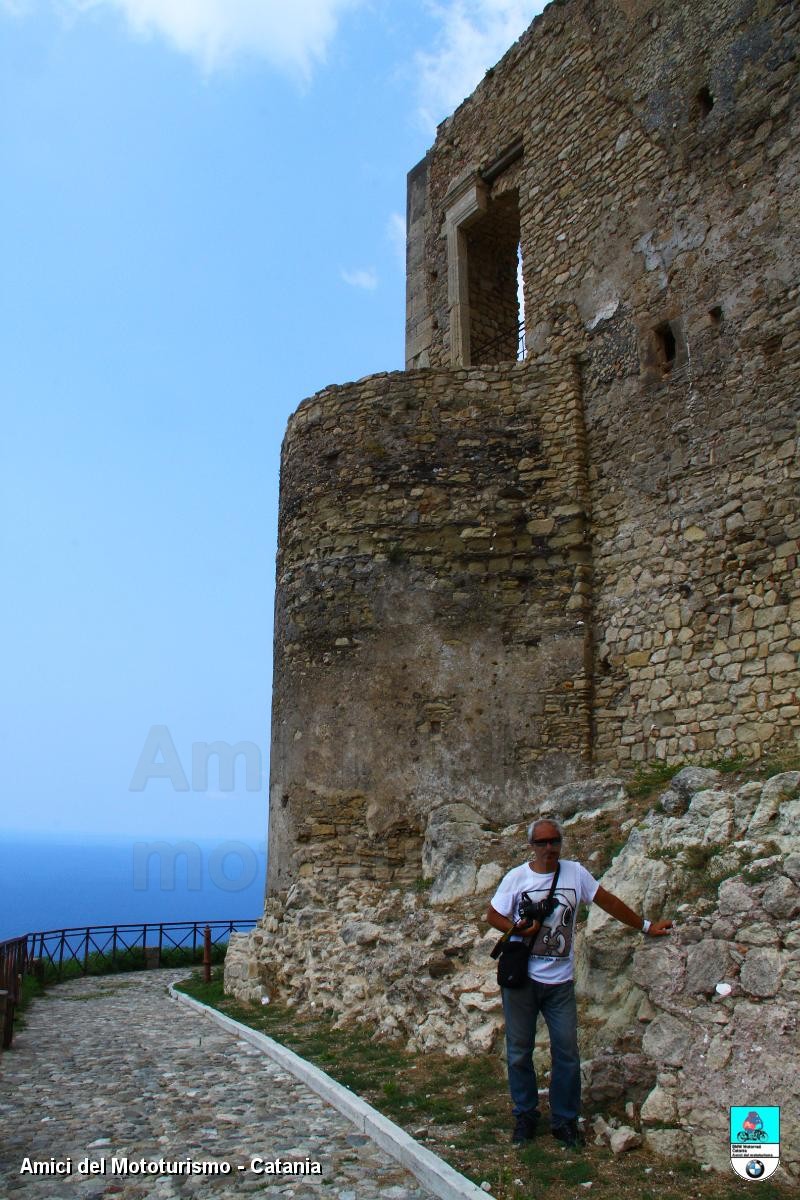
pixel 433 611
pixel 658 210
pixel 697 611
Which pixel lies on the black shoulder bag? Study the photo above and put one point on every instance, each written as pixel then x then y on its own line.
pixel 512 964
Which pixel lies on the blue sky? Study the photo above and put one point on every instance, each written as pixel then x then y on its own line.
pixel 201 218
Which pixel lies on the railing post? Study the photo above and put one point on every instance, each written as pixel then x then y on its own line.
pixel 86 954
pixel 207 954
pixel 61 953
pixel 160 941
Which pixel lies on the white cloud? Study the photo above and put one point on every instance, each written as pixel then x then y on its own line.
pixel 396 233
pixel 16 8
pixel 474 35
pixel 364 277
pixel 291 36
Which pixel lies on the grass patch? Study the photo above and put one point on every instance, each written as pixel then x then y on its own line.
pixel 665 853
pixel 770 1190
pixel 459 1108
pixel 784 758
pixel 30 989
pixel 697 858
pixel 729 766
pixel 125 960
pixel 758 873
pixel 652 777
pixel 686 1167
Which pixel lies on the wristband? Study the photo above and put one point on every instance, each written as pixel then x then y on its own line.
pixel 645 925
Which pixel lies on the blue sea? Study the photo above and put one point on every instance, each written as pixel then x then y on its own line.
pixel 52 884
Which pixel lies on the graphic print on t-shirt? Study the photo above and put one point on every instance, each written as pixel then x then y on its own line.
pixel 554 939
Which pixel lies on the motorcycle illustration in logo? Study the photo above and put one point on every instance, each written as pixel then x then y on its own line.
pixel 755 1140
pixel 752 1128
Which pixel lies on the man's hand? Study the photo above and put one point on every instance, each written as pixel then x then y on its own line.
pixel 620 911
pixel 528 930
pixel 506 925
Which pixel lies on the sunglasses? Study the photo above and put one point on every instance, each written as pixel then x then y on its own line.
pixel 546 842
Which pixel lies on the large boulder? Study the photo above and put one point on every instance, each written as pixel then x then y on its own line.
pixel 606 950
pixel 684 785
pixel 451 852
pixel 590 795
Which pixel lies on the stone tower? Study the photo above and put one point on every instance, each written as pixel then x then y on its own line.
pixel 498 572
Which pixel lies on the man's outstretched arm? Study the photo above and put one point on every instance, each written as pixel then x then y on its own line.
pixel 620 911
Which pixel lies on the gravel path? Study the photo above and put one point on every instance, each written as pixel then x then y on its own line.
pixel 111 1069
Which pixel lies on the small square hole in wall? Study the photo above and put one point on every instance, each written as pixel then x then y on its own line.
pixel 666 346
pixel 702 104
pixel 715 316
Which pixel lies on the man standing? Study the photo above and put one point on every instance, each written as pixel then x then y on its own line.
pixel 550 989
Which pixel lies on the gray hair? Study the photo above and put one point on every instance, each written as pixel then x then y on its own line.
pixel 544 821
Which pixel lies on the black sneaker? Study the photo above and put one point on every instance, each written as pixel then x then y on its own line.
pixel 569 1134
pixel 525 1128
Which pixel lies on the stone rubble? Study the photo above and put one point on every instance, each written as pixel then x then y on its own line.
pixel 111 1067
pixel 725 864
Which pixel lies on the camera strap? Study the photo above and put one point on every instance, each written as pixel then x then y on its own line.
pixel 497 949
pixel 556 874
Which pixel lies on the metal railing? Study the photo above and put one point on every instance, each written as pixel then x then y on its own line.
pixel 489 350
pixel 98 949
pixel 13 964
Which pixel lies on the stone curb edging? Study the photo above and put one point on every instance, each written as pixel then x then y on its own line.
pixel 432 1171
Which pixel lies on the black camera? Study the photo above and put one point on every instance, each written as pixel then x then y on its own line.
pixel 535 910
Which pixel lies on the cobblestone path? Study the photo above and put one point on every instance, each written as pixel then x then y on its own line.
pixel 111 1068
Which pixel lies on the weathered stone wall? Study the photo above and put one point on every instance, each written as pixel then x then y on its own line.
pixel 624 172
pixel 658 209
pixel 697 617
pixel 433 612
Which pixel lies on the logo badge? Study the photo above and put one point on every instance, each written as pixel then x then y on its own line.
pixel 755 1140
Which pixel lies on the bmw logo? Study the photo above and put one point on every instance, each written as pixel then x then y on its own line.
pixel 755 1168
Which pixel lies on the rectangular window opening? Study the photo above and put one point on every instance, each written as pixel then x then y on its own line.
pixel 494 271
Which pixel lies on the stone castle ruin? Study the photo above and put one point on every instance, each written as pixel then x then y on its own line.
pixel 506 570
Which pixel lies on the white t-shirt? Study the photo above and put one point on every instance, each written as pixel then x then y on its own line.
pixel 553 952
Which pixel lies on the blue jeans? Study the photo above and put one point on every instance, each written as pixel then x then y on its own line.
pixel 556 1003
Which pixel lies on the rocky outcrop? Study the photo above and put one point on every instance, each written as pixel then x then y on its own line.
pixel 682 1027
pixel 717 1005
